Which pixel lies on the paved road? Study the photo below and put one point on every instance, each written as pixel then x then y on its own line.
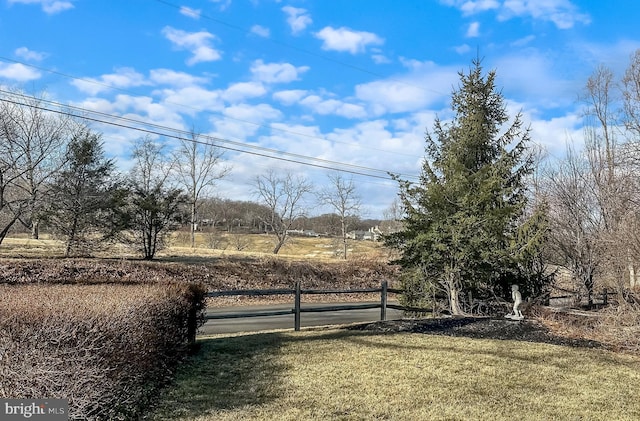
pixel 253 324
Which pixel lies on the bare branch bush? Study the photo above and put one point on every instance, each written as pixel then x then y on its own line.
pixel 104 347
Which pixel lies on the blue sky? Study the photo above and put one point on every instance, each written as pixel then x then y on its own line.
pixel 349 84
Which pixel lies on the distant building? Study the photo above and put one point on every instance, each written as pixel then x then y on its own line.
pixel 372 234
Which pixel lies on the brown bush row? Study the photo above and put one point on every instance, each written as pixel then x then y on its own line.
pixel 105 347
pixel 224 273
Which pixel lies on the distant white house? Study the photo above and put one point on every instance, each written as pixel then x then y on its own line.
pixel 372 234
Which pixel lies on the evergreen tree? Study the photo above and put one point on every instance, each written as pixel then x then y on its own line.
pixel 465 227
pixel 84 197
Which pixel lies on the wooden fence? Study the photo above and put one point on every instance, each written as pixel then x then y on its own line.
pixel 298 291
pixel 297 309
pixel 601 298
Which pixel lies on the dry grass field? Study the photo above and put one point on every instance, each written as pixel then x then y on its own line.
pixel 210 245
pixel 363 375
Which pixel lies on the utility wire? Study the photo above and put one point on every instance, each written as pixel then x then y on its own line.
pixel 180 135
pixel 106 85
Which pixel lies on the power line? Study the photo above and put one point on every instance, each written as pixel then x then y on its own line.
pixel 178 134
pixel 127 91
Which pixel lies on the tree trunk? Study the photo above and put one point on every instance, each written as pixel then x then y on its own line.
pixel 454 300
pixel 35 230
pixel 6 228
pixel 344 238
pixel 632 275
pixel 193 225
pixel 453 292
pixel 72 236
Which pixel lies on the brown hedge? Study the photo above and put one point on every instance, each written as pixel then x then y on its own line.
pixel 105 347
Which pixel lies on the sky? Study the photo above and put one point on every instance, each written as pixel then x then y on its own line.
pixel 309 86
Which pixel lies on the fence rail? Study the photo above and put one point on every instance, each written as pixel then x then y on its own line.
pixel 602 296
pixel 297 309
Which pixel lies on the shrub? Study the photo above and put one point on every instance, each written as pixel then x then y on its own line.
pixel 104 347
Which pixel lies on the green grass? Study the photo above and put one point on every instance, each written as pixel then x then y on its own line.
pixel 356 375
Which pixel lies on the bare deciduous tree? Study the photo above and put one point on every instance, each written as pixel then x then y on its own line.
pixel 198 166
pixel 284 196
pixel 392 218
pixel 575 221
pixel 631 95
pixel 342 197
pixel 607 154
pixel 32 153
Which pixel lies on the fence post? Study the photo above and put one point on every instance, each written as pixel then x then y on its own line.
pixel 383 300
pixel 297 307
pixel 605 297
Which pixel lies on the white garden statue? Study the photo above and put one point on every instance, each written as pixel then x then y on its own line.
pixel 517 300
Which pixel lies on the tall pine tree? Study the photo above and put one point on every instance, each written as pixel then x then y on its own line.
pixel 465 227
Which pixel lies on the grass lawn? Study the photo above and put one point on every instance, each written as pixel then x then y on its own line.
pixel 363 375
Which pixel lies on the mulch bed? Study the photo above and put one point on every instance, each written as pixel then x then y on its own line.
pixel 528 330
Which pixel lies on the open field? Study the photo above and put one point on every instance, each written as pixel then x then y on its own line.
pixel 210 245
pixel 364 375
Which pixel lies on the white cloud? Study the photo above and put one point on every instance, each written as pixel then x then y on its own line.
pixel 563 13
pixel 376 145
pixel 333 107
pixel 192 99
pixel 380 59
pixel 425 85
pixel 50 7
pixel 256 114
pixel 471 7
pixel 144 108
pixel 462 49
pixel 197 43
pixel 123 78
pixel 345 39
pixel 295 138
pixel 298 19
pixel 230 129
pixel 474 30
pixel 260 31
pixel 554 134
pixel 243 90
pixel 523 41
pixel 173 78
pixel 140 108
pixel 18 72
pixel 222 4
pixel 289 97
pixel 534 78
pixel 276 72
pixel 190 13
pixel 26 54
